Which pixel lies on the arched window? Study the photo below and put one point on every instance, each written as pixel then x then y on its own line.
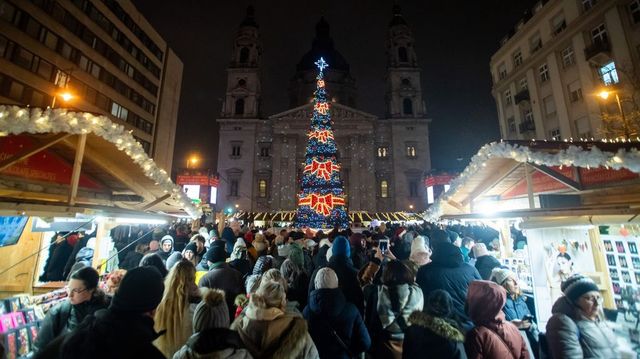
pixel 242 83
pixel 407 106
pixel 240 106
pixel 402 54
pixel 384 189
pixel 244 55
pixel 262 188
pixel 406 82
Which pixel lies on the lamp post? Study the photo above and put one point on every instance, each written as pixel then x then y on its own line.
pixel 604 94
pixel 65 96
pixel 192 161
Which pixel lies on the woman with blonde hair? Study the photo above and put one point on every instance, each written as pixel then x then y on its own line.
pixel 269 331
pixel 175 312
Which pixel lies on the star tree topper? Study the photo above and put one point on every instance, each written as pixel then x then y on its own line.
pixel 321 64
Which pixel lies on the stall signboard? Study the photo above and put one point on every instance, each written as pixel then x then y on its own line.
pixel 196 180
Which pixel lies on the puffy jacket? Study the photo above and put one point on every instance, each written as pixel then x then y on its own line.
pixel 329 311
pixel 222 276
pixel 571 335
pixel 432 337
pixel 448 272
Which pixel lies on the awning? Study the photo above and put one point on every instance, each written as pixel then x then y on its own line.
pixel 56 162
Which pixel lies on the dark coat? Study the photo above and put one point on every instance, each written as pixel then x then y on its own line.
pixel 448 272
pixel 132 260
pixel 58 260
pixel 358 257
pixel 320 259
pixel 66 317
pixel 485 265
pixel 297 290
pixel 347 280
pixel 328 311
pixel 241 265
pixel 72 258
pixel 222 276
pixel 432 337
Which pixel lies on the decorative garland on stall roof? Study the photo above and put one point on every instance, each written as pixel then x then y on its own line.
pixel 16 120
pixel 572 156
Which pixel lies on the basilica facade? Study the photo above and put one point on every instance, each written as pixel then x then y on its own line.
pixel 384 160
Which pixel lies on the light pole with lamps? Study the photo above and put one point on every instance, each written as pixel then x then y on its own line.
pixel 193 160
pixel 604 94
pixel 65 96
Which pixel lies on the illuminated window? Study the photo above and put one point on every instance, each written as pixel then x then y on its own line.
pixel 609 74
pixel 411 151
pixel 262 188
pixel 384 189
pixel 383 151
pixel 430 194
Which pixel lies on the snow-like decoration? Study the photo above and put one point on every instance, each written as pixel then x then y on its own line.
pixel 16 120
pixel 572 156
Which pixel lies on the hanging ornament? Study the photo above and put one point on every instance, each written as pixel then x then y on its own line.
pixel 321 204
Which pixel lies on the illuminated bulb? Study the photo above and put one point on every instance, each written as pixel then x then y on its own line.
pixel 617 159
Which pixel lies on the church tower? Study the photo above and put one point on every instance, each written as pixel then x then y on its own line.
pixel 242 98
pixel 406 122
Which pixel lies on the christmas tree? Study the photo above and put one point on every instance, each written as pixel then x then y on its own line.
pixel 321 202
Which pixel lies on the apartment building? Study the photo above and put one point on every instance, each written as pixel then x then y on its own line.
pixel 104 53
pixel 549 69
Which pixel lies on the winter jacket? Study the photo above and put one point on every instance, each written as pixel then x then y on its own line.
pixel 214 343
pixel 65 317
pixel 571 335
pixel 358 257
pixel 493 336
pixel 73 258
pixel 432 337
pixel 297 290
pixel 241 265
pixel 485 265
pixel 347 280
pixel 515 309
pixel 388 308
pixel 229 238
pixel 273 333
pixel 222 276
pixel 111 334
pixel 131 260
pixel 320 259
pixel 448 272
pixel 58 260
pixel 329 315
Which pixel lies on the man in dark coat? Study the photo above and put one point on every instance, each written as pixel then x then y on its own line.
pixel 125 329
pixel 222 276
pixel 335 325
pixel 448 272
pixel 485 262
pixel 340 262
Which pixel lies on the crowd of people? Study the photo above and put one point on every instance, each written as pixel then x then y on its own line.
pixel 380 292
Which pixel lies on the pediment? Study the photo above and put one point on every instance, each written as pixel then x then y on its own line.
pixel 339 114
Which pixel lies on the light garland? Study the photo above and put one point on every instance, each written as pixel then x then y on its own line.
pixel 572 156
pixel 16 120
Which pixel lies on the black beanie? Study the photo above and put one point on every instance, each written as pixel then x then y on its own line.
pixel 215 254
pixel 439 304
pixel 577 285
pixel 191 247
pixel 140 291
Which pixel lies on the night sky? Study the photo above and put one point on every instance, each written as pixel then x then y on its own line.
pixel 454 42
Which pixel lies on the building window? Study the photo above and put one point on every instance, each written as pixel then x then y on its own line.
pixel 511 124
pixel 411 151
pixel 523 84
pixel 599 34
pixel 609 74
pixel 406 82
pixel 413 188
pixel 507 97
pixel 402 54
pixel 575 92
pixel 262 188
pixel 502 71
pixel 588 4
pixel 583 128
pixel 535 43
pixel 544 73
pixel 568 57
pixel 119 111
pixel 384 189
pixel 239 106
pixel 244 55
pixel 264 151
pixel 407 106
pixel 528 115
pixel 16 91
pixel 233 188
pixel 558 24
pixel 634 10
pixel 242 83
pixel 549 106
pixel 383 151
pixel 235 150
pixel 554 134
pixel 517 58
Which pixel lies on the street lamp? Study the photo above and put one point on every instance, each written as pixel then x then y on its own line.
pixel 192 161
pixel 65 96
pixel 604 94
pixel 411 206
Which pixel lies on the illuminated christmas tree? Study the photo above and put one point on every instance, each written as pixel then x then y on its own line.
pixel 321 202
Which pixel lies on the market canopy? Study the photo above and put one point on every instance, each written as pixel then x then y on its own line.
pixel 56 162
pixel 540 178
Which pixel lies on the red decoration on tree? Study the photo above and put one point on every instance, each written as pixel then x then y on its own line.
pixel 322 169
pixel 322 107
pixel 321 136
pixel 321 204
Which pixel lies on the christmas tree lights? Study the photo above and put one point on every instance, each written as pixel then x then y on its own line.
pixel 321 202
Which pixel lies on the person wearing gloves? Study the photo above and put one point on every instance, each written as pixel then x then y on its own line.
pixel 493 337
pixel 577 328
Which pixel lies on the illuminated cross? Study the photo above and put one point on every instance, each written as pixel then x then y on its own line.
pixel 321 64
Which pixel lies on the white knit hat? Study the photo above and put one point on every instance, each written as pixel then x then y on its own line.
pixel 326 278
pixel 500 275
pixel 479 250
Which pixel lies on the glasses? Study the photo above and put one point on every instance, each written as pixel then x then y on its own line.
pixel 76 290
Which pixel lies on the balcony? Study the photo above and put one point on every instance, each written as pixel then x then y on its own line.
pixel 521 96
pixel 527 126
pixel 599 53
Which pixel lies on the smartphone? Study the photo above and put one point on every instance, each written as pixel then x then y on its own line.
pixel 383 244
pixel 528 318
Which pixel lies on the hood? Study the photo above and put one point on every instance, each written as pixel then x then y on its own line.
pixel 438 326
pixel 564 306
pixel 328 302
pixel 227 235
pixel 447 255
pixel 485 300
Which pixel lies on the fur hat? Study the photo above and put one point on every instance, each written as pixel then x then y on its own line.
pixel 500 275
pixel 479 250
pixel 212 312
pixel 140 291
pixel 326 278
pixel 576 286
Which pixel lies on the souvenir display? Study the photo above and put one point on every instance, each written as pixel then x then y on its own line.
pixel 620 247
pixel 611 260
pixel 633 249
pixel 623 261
pixel 608 246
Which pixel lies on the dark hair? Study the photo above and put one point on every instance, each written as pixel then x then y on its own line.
pixel 154 260
pixel 199 237
pixel 397 273
pixel 564 255
pixel 88 275
pixel 467 240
